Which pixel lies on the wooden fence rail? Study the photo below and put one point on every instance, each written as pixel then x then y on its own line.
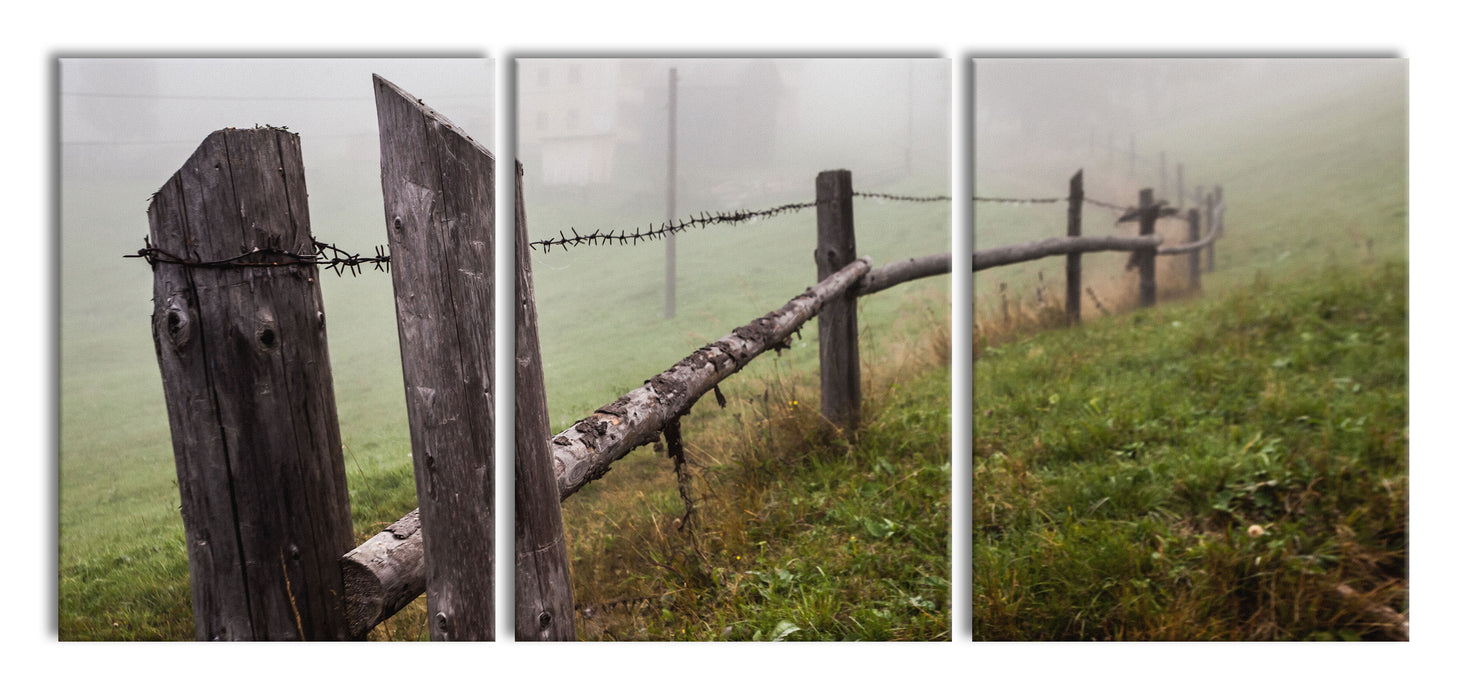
pixel 241 345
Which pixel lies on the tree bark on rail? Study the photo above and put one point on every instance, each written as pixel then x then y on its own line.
pixel 247 382
pixel 384 574
pixel 438 196
pixel 585 451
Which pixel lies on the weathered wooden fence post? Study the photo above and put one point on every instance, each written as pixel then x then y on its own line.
pixel 1195 274
pixel 1147 259
pixel 835 249
pixel 1208 224
pixel 1073 260
pixel 543 601
pixel 1218 202
pixel 438 197
pixel 241 346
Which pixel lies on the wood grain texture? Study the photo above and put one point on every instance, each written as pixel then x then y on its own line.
pixel 385 573
pixel 247 380
pixel 835 249
pixel 438 194
pixel 543 598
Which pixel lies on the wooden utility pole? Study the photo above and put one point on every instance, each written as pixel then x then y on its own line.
pixel 438 197
pixel 1162 174
pixel 247 381
pixel 835 249
pixel 1181 193
pixel 543 599
pixel 670 243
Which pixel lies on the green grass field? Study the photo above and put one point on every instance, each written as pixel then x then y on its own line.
pixel 1214 468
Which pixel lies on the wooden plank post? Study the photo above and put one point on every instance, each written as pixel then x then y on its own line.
pixel 835 249
pixel 543 601
pixel 1073 260
pixel 438 197
pixel 1147 259
pixel 1208 225
pixel 1195 273
pixel 1217 202
pixel 670 244
pixel 241 347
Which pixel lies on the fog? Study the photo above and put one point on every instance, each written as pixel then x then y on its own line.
pixel 750 133
pixel 124 127
pixel 1062 114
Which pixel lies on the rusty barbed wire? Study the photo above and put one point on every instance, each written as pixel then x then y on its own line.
pixel 1105 205
pixel 325 254
pixel 700 220
pixel 705 219
pixel 1019 200
pixel 904 197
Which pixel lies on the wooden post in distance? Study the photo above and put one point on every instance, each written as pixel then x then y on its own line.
pixel 1073 260
pixel 1147 259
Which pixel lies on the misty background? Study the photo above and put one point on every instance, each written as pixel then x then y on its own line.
pixel 1042 119
pixel 1267 130
pixel 751 134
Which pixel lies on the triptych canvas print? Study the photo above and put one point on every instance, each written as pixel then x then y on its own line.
pixel 732 349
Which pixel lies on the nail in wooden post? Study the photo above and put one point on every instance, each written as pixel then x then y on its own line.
pixel 1195 274
pixel 543 602
pixel 438 195
pixel 247 381
pixel 835 249
pixel 1147 259
pixel 1073 260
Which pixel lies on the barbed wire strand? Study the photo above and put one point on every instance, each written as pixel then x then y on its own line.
pixel 326 254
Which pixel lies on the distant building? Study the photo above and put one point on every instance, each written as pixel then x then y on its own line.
pixel 592 121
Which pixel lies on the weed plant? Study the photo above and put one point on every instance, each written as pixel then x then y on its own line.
pixel 800 532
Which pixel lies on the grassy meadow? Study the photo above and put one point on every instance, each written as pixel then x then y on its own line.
pixel 1225 467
